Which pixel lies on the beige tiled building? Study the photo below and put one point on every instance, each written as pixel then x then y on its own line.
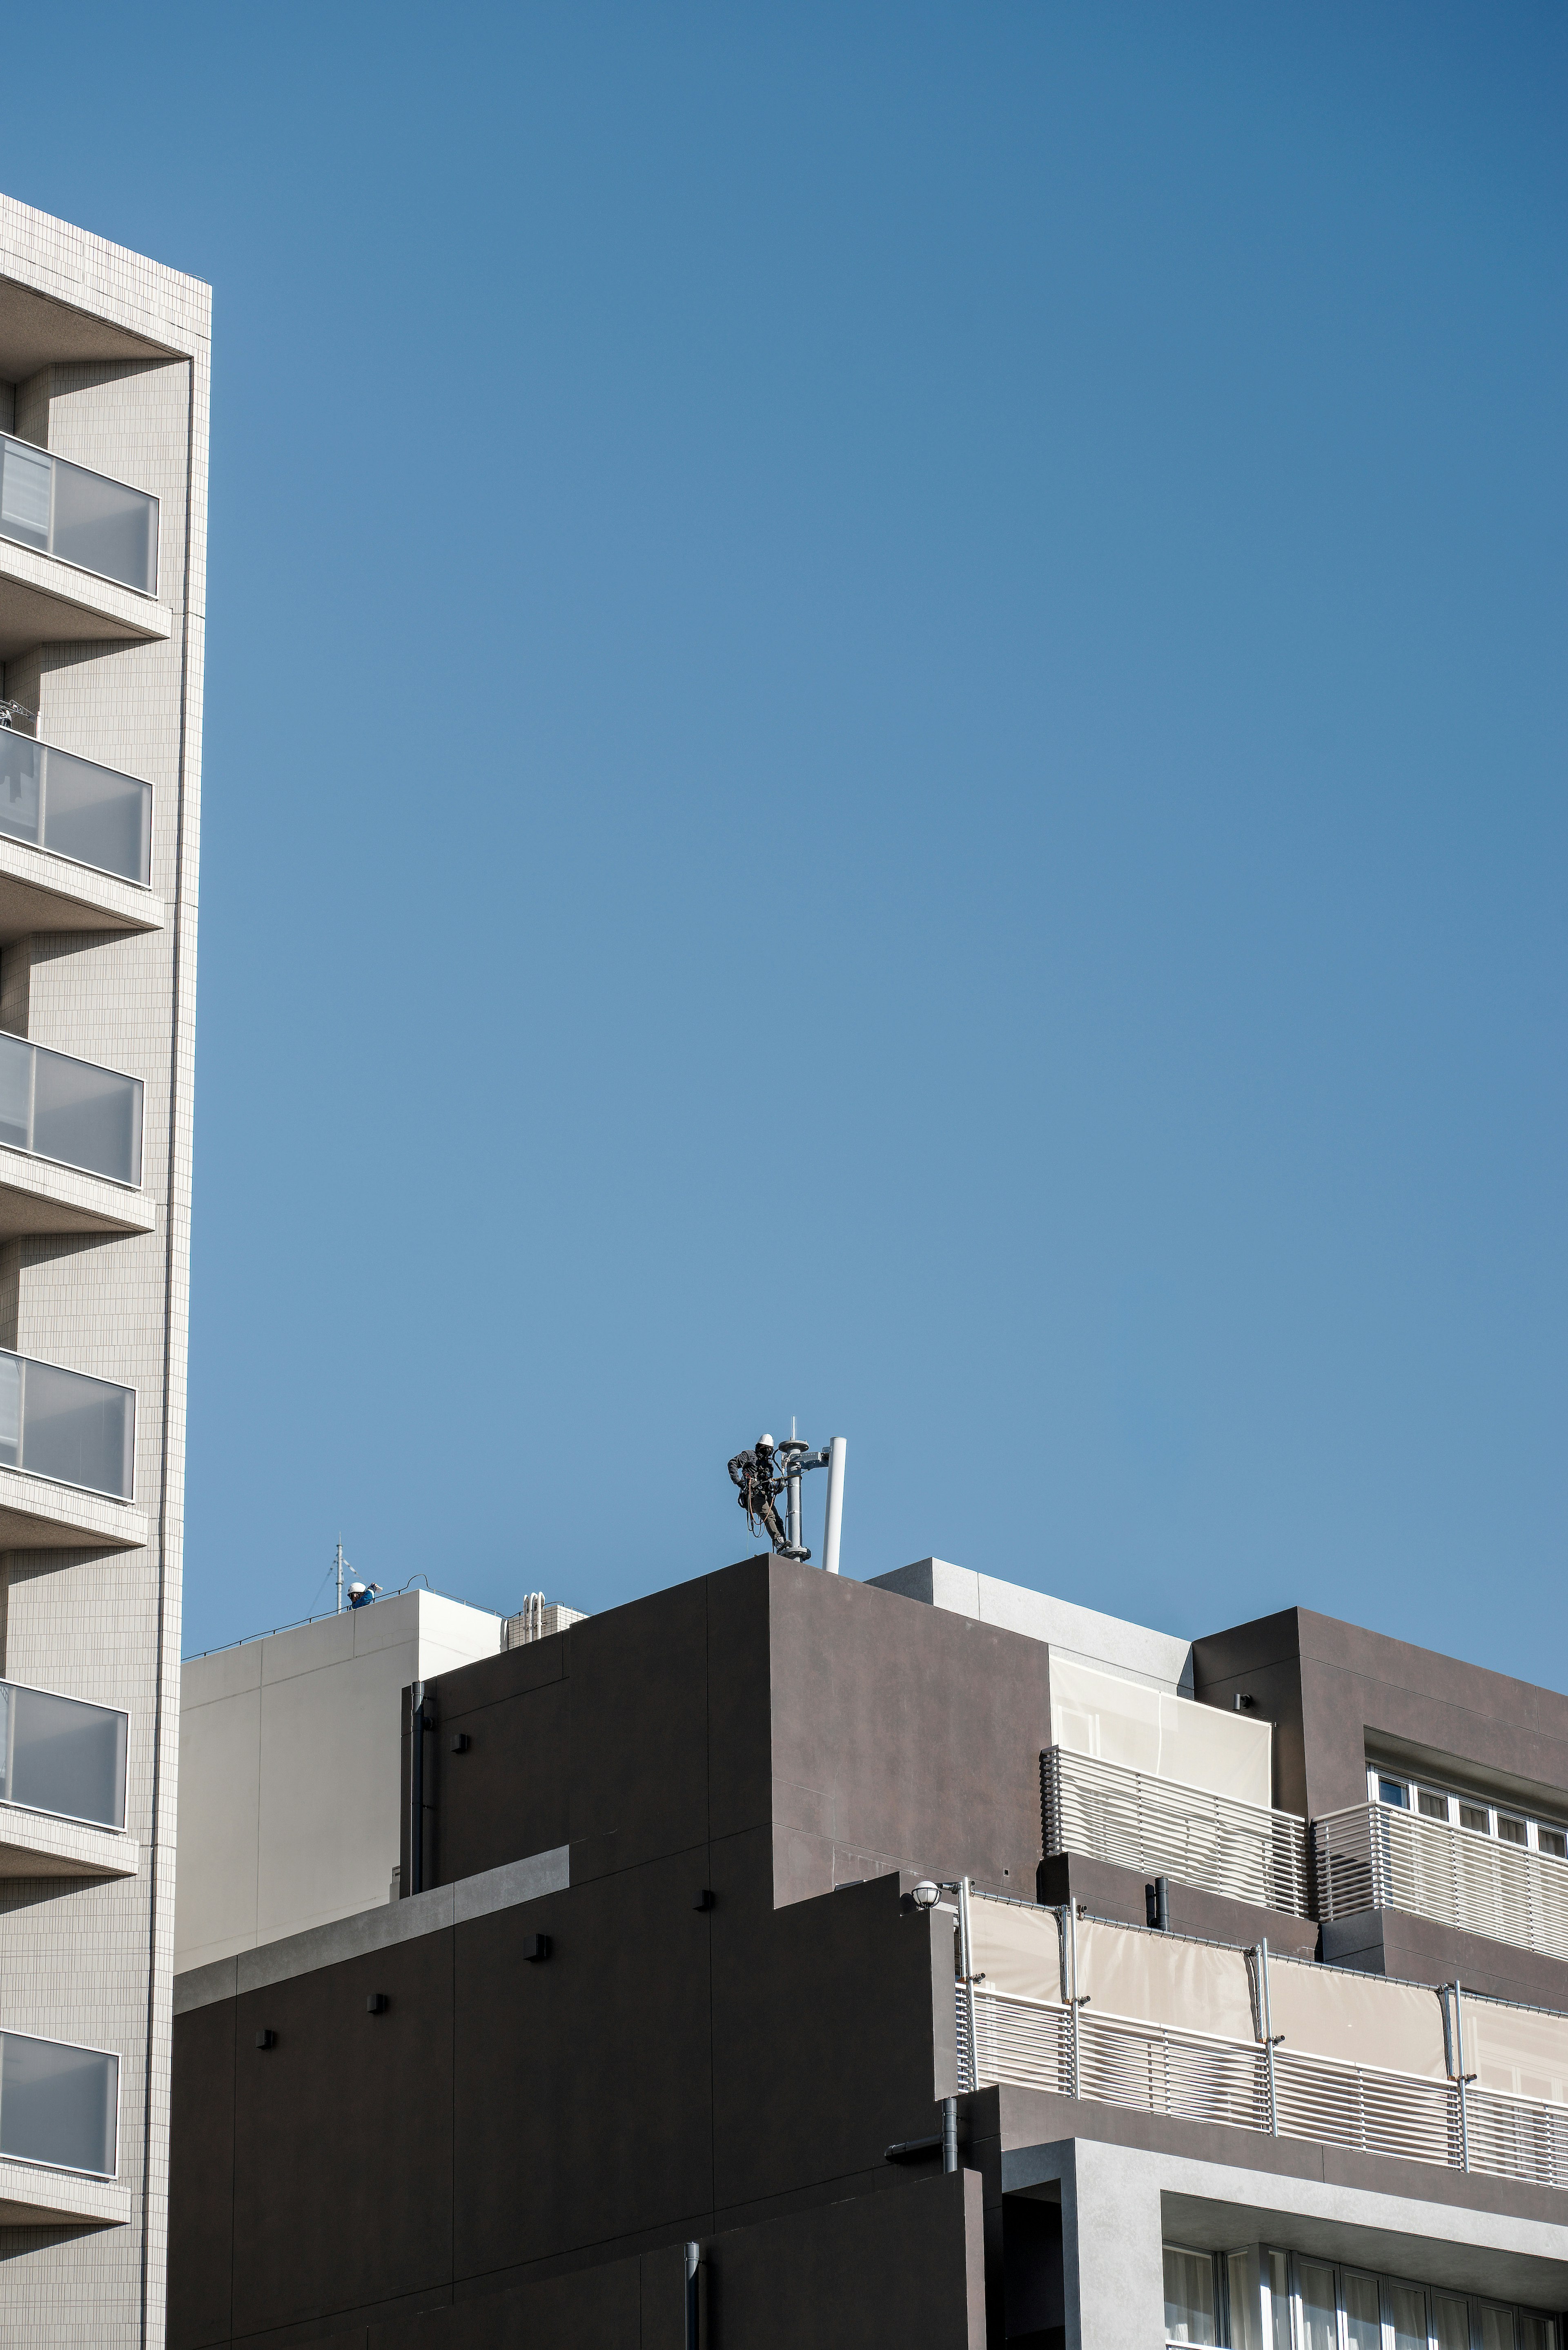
pixel 103 468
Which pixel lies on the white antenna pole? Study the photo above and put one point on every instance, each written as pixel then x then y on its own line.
pixel 834 1515
pixel 340 1574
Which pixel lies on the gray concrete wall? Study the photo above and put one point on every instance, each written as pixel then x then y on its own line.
pixel 288 1756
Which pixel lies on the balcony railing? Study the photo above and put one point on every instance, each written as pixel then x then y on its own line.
pixel 81 517
pixel 59 2106
pixel 62 1424
pixel 1071 2046
pixel 75 808
pixel 1109 1813
pixel 58 1107
pixel 1373 1857
pixel 61 1756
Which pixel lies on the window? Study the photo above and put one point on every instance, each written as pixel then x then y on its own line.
pixel 1450 2323
pixel 1362 2311
pixel 1318 2305
pixel 1191 2310
pixel 1407 2317
pixel 1449 1807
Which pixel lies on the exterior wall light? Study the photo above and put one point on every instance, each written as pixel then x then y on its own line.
pixel 267 2039
pixel 535 1946
pixel 461 1742
pixel 926 1895
pixel 377 2003
pixel 703 1899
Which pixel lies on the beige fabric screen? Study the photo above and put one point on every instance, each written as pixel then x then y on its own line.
pixel 1358 2018
pixel 1161 1978
pixel 1167 1737
pixel 1018 1952
pixel 1517 2050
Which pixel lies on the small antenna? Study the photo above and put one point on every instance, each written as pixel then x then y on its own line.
pixel 341 1563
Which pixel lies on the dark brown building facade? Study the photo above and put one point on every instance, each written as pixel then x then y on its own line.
pixel 661 1977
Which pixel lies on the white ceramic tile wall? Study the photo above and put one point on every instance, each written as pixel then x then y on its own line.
pixel 91 1960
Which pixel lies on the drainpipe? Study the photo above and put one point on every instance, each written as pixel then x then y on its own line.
pixel 950 2134
pixel 693 2254
pixel 417 1788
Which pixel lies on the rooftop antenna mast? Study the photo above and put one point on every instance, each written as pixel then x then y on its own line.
pixel 341 1564
pixel 769 1469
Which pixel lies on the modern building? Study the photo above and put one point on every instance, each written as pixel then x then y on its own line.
pixel 289 1760
pixel 782 1960
pixel 103 469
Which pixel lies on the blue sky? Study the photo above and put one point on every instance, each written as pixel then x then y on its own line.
pixel 885 739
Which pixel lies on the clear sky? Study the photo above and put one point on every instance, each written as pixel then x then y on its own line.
pixel 885 739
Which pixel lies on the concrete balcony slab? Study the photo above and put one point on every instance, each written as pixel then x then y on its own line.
pixel 38 1196
pixel 45 601
pixel 40 892
pixel 32 2196
pixel 37 1514
pixel 35 1844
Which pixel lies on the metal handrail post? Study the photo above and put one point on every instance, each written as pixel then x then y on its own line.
pixel 1267 2016
pixel 966 1960
pixel 1463 2078
pixel 1073 1991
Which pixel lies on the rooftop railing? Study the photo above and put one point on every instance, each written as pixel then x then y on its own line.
pixel 75 808
pixel 1110 1813
pixel 1371 1857
pixel 73 1111
pixel 62 1755
pixel 1073 2043
pixel 81 517
pixel 59 2106
pixel 66 1426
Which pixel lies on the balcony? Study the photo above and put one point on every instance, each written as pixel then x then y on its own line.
pixel 67 1451
pixel 53 1107
pixel 1108 1812
pixel 59 2106
pixel 78 553
pixel 75 808
pixel 76 516
pixel 62 1786
pixel 1206 2031
pixel 1371 1857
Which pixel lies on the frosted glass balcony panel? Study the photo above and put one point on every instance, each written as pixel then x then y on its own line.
pixel 82 517
pixel 63 1424
pixel 58 2105
pixel 59 1755
pixel 74 808
pixel 58 1107
pixel 25 486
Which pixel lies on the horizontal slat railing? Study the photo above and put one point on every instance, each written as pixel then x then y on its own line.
pixel 1194 2077
pixel 1372 1857
pixel 1110 1813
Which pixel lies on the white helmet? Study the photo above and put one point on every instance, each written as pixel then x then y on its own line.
pixel 765 1444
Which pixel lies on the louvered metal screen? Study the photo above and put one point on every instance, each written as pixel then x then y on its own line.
pixel 1109 1813
pixel 1373 1857
pixel 1194 2077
